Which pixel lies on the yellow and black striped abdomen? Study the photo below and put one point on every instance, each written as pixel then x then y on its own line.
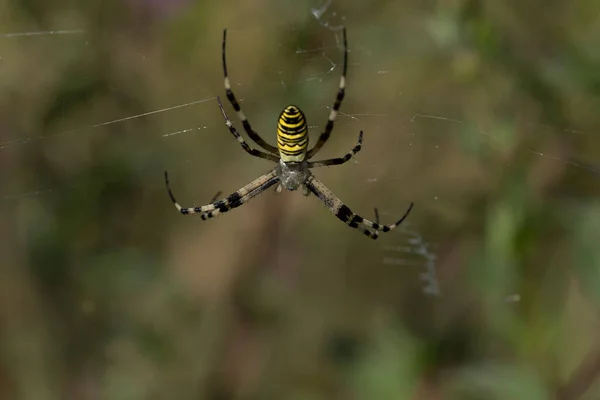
pixel 292 135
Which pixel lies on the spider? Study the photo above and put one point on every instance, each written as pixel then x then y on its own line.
pixel 293 169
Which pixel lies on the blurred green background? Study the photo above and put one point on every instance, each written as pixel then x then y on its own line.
pixel 484 113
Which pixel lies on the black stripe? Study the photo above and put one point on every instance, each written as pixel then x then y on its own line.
pixel 338 100
pixel 292 120
pixel 370 234
pixel 296 149
pixel 284 146
pixel 357 219
pixel 300 147
pixel 221 206
pixel 234 200
pixel 294 141
pixel 232 100
pixel 344 213
pixel 292 132
pixel 292 152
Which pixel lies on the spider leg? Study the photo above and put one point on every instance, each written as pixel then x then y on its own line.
pixel 234 200
pixel 336 106
pixel 340 160
pixel 335 205
pixel 236 106
pixel 240 139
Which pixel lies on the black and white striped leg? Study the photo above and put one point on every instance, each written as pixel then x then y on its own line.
pixel 336 106
pixel 234 200
pixel 240 139
pixel 340 160
pixel 335 205
pixel 236 106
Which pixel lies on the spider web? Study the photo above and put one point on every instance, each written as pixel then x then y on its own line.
pixel 410 246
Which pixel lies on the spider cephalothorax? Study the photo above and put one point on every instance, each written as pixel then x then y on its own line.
pixel 293 160
pixel 292 174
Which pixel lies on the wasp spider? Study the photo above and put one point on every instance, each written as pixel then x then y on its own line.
pixel 292 158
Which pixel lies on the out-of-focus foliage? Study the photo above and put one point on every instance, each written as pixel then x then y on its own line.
pixel 484 113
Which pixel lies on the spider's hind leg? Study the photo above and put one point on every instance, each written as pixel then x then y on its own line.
pixel 230 202
pixel 345 214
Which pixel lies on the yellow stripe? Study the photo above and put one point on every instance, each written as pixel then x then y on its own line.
pixel 285 140
pixel 292 146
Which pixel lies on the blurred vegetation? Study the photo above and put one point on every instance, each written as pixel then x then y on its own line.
pixel 484 113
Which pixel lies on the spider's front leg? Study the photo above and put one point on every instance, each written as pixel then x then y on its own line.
pixel 232 201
